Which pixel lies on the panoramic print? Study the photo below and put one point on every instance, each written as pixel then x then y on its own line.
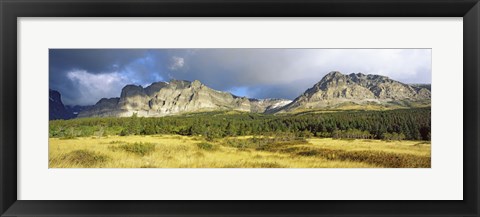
pixel 240 108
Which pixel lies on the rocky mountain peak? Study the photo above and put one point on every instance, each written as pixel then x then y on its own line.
pixel 357 76
pixel 132 91
pixel 196 84
pixel 179 84
pixel 132 87
pixel 333 74
pixel 334 78
pixel 336 88
pixel 56 107
pixel 105 101
pixel 180 96
pixel 155 87
pixel 175 97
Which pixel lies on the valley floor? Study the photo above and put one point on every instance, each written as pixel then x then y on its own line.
pixel 173 151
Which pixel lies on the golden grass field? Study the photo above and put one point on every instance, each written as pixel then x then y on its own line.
pixel 173 151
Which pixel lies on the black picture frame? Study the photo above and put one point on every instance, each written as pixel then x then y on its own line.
pixel 10 10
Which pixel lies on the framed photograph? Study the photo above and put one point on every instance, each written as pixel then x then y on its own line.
pixel 251 108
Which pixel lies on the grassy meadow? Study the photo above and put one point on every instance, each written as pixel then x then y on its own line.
pixel 338 139
pixel 174 151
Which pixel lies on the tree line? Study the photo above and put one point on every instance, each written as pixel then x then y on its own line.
pixel 411 124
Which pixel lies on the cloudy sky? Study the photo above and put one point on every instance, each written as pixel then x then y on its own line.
pixel 83 76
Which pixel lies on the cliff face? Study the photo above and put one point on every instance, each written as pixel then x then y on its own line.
pixel 76 109
pixel 56 108
pixel 175 97
pixel 336 88
pixel 103 108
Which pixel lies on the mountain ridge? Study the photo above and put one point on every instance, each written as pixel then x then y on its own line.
pixel 334 89
pixel 337 88
pixel 56 108
pixel 175 97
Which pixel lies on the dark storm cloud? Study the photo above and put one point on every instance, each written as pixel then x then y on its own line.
pixel 289 90
pixel 227 68
pixel 83 76
pixel 93 60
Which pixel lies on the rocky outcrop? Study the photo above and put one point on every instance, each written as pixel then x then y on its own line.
pixel 103 108
pixel 336 88
pixel 175 97
pixel 76 109
pixel 56 108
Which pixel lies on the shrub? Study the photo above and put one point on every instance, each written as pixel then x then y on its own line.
pixel 393 136
pixel 265 143
pixel 206 146
pixel 308 153
pixel 323 134
pixel 379 158
pixel 84 157
pixel 138 148
pixel 239 143
pixel 305 134
pixel 68 137
pixel 351 134
pixel 124 132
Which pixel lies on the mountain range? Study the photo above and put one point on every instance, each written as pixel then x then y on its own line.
pixel 56 108
pixel 334 90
